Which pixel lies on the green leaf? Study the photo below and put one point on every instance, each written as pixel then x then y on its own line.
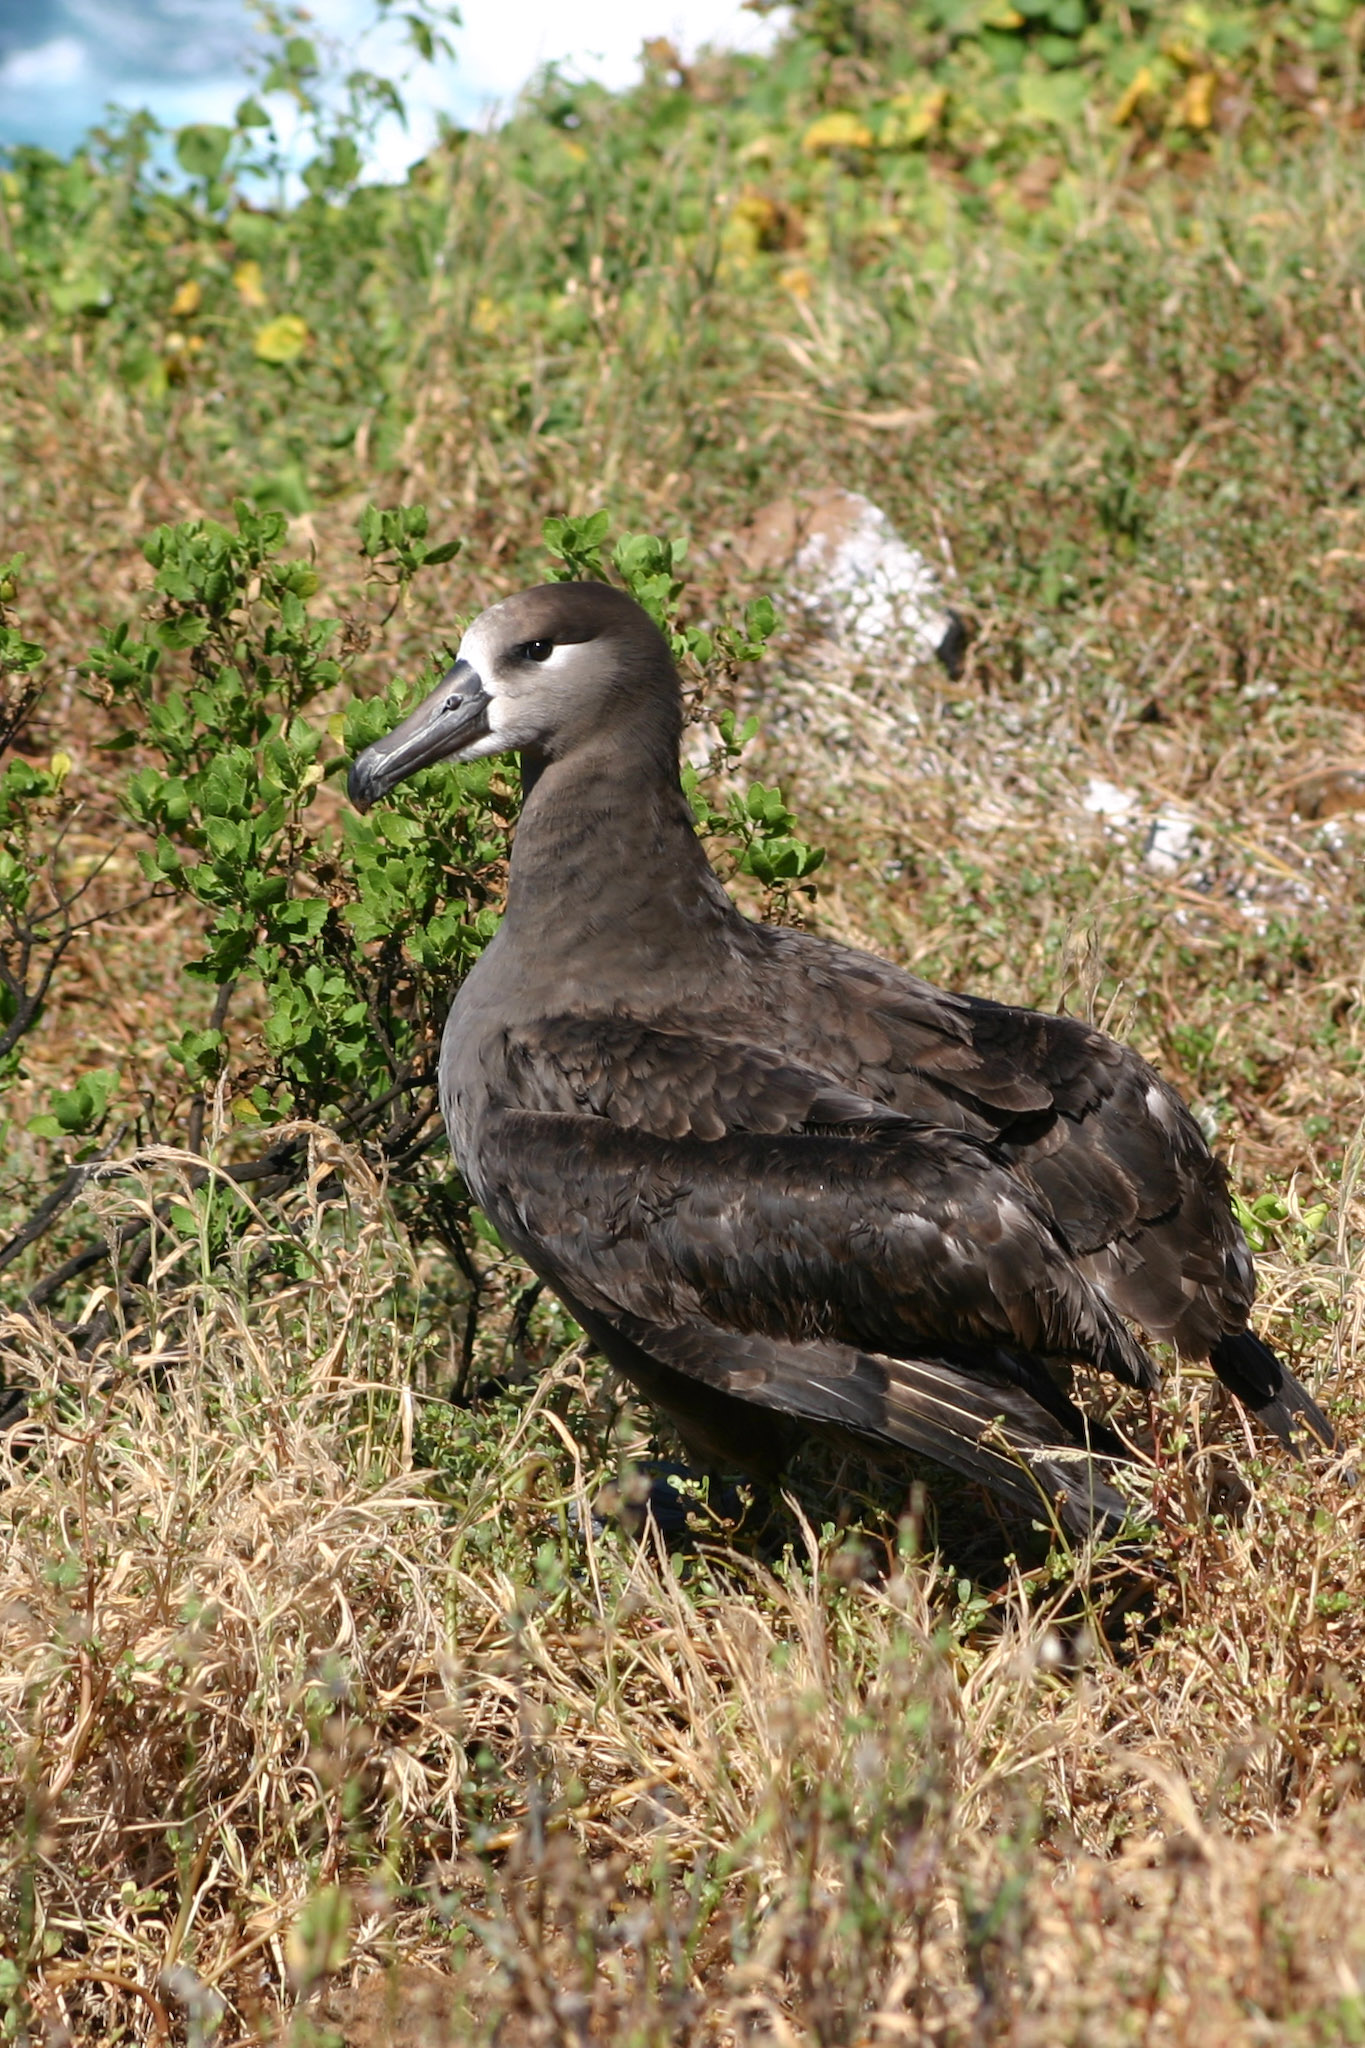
pixel 226 839
pixel 17 654
pixel 485 1229
pixel 1056 99
pixel 201 149
pixel 303 919
pixel 760 620
pixel 281 340
pixel 77 1110
pixel 577 543
pixel 190 631
pixel 421 37
pixel 201 1054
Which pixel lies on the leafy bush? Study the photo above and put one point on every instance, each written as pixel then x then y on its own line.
pixel 218 684
pixel 331 942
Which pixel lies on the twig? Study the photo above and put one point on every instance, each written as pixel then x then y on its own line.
pixel 281 1161
pixel 521 1321
pixel 79 1262
pixel 51 1208
pixel 441 1227
pixel 217 1018
pixel 27 1006
pixel 404 1161
pixel 86 1974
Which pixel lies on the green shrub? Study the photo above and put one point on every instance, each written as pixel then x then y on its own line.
pixel 331 943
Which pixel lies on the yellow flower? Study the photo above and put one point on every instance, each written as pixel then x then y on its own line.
pixel 1137 90
pixel 187 299
pixel 1195 108
pixel 754 224
pixel 914 116
pixel 840 130
pixel 247 279
pixel 281 339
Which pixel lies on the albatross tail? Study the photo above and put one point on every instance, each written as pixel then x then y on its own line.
pixel 1269 1389
pixel 997 1419
pixel 1004 1437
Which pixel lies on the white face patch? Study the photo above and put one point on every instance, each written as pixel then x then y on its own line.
pixel 479 750
pixel 474 647
pixel 517 713
pixel 559 657
pixel 488 648
pixel 508 733
pixel 524 697
pixel 484 647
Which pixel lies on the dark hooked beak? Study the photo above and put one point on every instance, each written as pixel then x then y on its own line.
pixel 453 717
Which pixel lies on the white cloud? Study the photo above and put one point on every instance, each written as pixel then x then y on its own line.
pixel 173 38
pixel 47 68
pixel 184 60
pixel 500 46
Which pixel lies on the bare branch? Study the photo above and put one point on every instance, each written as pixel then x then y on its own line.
pixel 47 1212
pixel 217 1019
pixel 31 1003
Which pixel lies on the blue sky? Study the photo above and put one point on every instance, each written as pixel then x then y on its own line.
pixel 63 61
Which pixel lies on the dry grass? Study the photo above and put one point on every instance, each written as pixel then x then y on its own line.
pixel 283 1699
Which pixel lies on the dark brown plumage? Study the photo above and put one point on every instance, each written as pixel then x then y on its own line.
pixel 777 1178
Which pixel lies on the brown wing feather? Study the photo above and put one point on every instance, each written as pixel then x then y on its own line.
pixel 1123 1166
pixel 1130 1184
pixel 906 1239
pixel 678 1082
pixel 1112 1148
pixel 1025 1442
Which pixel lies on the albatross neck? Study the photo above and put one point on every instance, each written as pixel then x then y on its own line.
pixel 608 876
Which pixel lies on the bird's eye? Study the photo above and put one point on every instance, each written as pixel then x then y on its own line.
pixel 538 650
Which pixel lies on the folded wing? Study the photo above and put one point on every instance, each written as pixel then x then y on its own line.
pixel 905 1239
pixel 1123 1167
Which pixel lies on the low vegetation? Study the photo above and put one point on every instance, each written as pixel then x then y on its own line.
pixel 332 1706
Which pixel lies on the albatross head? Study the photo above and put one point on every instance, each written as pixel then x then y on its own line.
pixel 537 674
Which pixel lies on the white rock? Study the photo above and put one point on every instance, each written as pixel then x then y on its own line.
pixel 847 567
pixel 1170 842
pixel 1104 799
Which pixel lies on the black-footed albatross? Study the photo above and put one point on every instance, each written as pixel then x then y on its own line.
pixel 778 1181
